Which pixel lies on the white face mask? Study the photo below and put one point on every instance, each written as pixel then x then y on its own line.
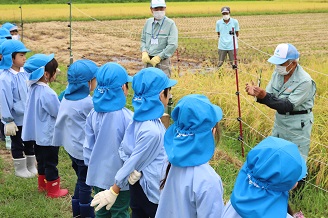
pixel 159 15
pixel 226 17
pixel 282 69
pixel 15 37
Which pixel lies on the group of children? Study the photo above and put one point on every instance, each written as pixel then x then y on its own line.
pixel 7 31
pixel 128 158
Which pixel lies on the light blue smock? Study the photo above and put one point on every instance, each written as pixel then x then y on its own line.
pixel 165 31
pixel 191 192
pixel 300 90
pixel 104 132
pixel 13 95
pixel 225 40
pixel 142 149
pixel 40 116
pixel 70 124
pixel 230 212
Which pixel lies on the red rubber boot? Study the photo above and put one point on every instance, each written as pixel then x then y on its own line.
pixel 42 183
pixel 53 189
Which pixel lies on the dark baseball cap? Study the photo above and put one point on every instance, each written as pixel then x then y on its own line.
pixel 225 10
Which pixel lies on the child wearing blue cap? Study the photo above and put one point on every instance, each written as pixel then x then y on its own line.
pixel 13 95
pixel 105 129
pixel 4 35
pixel 272 168
pixel 142 147
pixel 13 29
pixel 191 187
pixel 69 128
pixel 41 111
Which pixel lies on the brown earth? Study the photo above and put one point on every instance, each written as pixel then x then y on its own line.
pixel 119 40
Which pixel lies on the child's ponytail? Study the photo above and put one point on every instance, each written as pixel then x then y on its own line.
pixel 166 173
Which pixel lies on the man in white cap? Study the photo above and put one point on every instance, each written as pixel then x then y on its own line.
pixel 223 28
pixel 159 38
pixel 291 93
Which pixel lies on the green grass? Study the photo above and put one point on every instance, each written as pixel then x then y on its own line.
pixel 20 197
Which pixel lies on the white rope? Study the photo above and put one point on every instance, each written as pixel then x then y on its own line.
pixel 322 189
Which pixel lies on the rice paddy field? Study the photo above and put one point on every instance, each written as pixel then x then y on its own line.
pixel 105 11
pixel 263 25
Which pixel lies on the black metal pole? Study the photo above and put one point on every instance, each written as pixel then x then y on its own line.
pixel 21 24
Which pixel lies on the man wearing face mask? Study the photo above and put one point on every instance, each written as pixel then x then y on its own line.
pixel 291 93
pixel 159 38
pixel 223 28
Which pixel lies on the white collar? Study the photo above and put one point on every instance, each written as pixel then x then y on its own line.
pixel 11 70
pixel 41 83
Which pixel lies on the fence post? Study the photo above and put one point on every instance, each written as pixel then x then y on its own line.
pixel 235 67
pixel 21 24
pixel 70 32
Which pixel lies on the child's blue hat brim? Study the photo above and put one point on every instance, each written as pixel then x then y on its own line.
pixel 272 169
pixel 190 141
pixel 7 48
pixel 35 76
pixel 35 65
pixel 108 95
pixel 147 85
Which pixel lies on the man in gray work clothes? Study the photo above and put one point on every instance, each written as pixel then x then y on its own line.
pixel 159 38
pixel 291 93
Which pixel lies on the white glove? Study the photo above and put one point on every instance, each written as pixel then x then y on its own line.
pixel 10 129
pixel 134 177
pixel 104 198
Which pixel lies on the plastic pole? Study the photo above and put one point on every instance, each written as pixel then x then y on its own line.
pixel 235 67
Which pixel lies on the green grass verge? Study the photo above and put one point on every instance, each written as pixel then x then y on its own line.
pixel 20 197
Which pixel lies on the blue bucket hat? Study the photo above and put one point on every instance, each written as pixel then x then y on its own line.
pixel 7 48
pixel 4 33
pixel 108 95
pixel 189 141
pixel 283 53
pixel 271 169
pixel 147 85
pixel 35 65
pixel 78 75
pixel 9 26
